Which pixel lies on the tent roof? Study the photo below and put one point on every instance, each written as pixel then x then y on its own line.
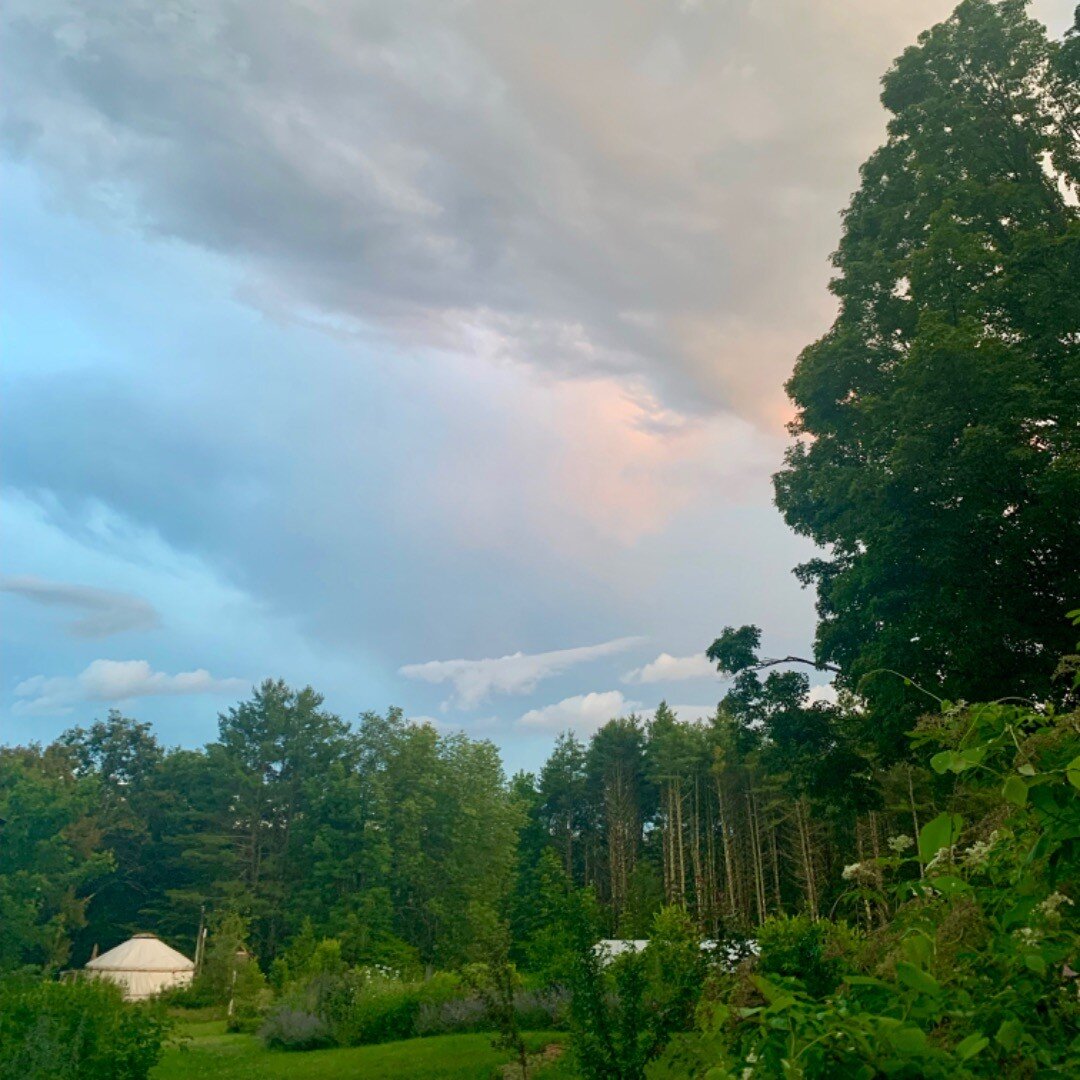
pixel 143 952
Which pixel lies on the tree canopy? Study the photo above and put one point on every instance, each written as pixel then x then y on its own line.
pixel 937 452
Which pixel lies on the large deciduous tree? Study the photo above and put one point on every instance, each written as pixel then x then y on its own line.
pixel 937 453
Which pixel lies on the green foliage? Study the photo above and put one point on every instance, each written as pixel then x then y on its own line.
pixel 970 976
pixel 76 1031
pixel 367 1006
pixel 937 456
pixel 813 955
pixel 623 1012
pixel 50 856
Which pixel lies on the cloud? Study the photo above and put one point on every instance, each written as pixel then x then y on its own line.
pixel 668 668
pixel 107 612
pixel 113 681
pixel 583 713
pixel 519 673
pixel 601 189
pixel 825 694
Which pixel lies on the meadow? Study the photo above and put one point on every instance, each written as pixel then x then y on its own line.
pixel 205 1050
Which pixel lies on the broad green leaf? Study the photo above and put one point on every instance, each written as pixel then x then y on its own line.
pixel 1018 912
pixel 1026 770
pixel 957 761
pixel 941 763
pixel 969 1047
pixel 1015 791
pixel 940 833
pixel 949 884
pixel 916 978
pixel 973 755
pixel 917 947
pixel 908 1040
pixel 1008 1035
pixel 1072 771
pixel 1035 962
pixel 776 996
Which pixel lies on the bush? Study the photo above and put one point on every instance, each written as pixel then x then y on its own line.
pixel 816 953
pixel 973 974
pixel 457 1016
pixel 287 1028
pixel 76 1031
pixel 250 998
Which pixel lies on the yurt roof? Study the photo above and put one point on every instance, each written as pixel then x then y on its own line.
pixel 143 952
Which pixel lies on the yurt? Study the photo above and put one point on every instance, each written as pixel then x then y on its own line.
pixel 142 967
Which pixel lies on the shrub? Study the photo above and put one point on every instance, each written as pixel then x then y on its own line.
pixel 250 998
pixel 457 1016
pixel 76 1031
pixel 368 1007
pixel 287 1028
pixel 816 953
pixel 973 975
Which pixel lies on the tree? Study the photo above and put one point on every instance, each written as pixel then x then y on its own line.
pixel 51 856
pixel 621 802
pixel 280 746
pixel 562 798
pixel 124 758
pixel 938 426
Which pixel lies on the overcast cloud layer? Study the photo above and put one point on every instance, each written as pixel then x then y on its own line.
pixel 345 339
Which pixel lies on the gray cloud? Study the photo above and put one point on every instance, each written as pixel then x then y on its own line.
pixel 646 190
pixel 107 612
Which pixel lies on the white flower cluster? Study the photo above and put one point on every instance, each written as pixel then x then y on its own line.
pixel 944 856
pixel 978 854
pixel 859 872
pixel 1027 935
pixel 1053 903
pixel 900 844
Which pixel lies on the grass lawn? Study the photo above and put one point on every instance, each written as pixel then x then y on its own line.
pixel 206 1051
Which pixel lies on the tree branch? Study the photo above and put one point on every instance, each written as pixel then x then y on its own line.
pixel 797 660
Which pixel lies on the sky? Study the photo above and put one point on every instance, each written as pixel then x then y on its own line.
pixel 431 354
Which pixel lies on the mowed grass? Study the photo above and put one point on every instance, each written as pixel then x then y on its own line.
pixel 205 1050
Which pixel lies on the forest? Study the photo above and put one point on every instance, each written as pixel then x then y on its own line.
pixel 897 871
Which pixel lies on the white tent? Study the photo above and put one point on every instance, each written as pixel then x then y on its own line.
pixel 142 967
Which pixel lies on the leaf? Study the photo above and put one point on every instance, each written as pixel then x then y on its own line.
pixel 1035 963
pixel 917 979
pixel 1015 791
pixel 939 833
pixel 969 1047
pixel 908 1040
pixel 949 884
pixel 917 946
pixel 776 996
pixel 970 757
pixel 1008 1035
pixel 942 762
pixel 1019 912
pixel 1026 770
pixel 1072 771
pixel 957 761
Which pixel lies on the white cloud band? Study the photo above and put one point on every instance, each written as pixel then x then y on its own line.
pixel 113 681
